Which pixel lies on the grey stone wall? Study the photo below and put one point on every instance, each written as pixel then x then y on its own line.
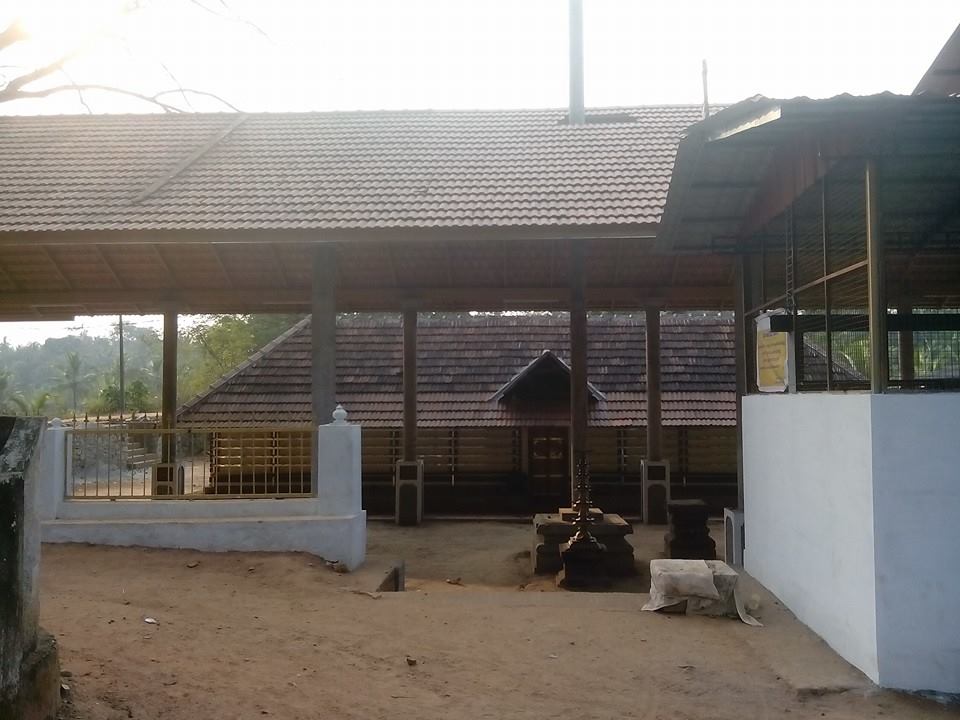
pixel 19 552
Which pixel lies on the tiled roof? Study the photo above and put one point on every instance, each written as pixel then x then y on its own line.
pixel 464 359
pixel 337 170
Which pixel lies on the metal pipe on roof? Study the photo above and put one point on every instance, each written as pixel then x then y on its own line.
pixel 577 111
pixel 706 99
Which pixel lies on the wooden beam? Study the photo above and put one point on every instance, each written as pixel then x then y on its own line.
pixel 324 334
pixel 654 411
pixel 410 384
pixel 876 278
pixel 562 233
pixel 925 322
pixel 579 391
pixel 383 299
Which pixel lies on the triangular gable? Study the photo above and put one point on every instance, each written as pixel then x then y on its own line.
pixel 545 362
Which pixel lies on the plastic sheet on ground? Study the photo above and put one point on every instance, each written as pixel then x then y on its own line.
pixel 696 587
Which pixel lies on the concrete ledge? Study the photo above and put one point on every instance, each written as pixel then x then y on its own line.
pixel 342 538
pixel 205 507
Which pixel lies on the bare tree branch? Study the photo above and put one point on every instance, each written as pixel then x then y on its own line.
pixel 12 34
pixel 152 99
pixel 176 81
pixel 204 93
pixel 18 88
pixel 46 92
pixel 80 97
pixel 15 86
pixel 229 15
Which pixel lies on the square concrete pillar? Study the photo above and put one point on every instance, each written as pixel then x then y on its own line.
pixel 337 472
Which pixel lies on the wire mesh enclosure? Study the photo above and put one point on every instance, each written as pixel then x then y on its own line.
pixel 811 262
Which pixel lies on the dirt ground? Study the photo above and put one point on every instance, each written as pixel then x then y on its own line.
pixel 255 635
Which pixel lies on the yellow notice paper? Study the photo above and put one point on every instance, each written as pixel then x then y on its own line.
pixel 772 356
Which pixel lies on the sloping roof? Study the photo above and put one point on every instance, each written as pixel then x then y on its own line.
pixel 943 75
pixel 337 170
pixel 464 359
pixel 545 361
pixel 724 162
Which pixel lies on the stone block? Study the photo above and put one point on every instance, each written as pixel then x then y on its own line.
pixel 551 531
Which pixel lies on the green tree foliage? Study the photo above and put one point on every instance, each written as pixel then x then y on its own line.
pixel 80 373
pixel 216 346
pixel 11 402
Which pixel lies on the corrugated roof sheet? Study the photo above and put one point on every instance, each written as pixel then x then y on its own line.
pixel 221 171
pixel 463 359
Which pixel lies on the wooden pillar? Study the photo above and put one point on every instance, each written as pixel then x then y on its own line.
pixel 905 315
pixel 323 330
pixel 876 290
pixel 740 351
pixel 410 384
pixel 654 413
pixel 578 356
pixel 166 475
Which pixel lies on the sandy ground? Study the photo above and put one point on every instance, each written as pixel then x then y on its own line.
pixel 251 635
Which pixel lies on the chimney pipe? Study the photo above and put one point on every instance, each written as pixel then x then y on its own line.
pixel 577 113
pixel 706 100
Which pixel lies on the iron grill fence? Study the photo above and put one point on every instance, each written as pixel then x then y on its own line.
pixel 109 461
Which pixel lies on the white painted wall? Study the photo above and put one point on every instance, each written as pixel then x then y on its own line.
pixel 916 464
pixel 852 516
pixel 808 514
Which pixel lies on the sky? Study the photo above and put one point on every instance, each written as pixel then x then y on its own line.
pixel 286 55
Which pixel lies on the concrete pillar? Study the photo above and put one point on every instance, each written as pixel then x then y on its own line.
pixel 337 476
pixel 579 392
pixel 324 333
pixel 654 414
pixel 410 384
pixel 53 459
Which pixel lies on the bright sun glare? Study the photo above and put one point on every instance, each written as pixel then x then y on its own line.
pixel 54 26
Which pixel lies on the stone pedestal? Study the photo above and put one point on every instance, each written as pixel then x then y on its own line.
pixel 689 537
pixel 551 531
pixel 583 564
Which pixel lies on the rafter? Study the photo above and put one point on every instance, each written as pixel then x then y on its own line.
pixel 56 267
pixel 108 265
pixel 164 264
pixel 278 261
pixel 8 278
pixel 221 266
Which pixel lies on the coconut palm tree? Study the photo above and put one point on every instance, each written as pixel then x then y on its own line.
pixel 72 379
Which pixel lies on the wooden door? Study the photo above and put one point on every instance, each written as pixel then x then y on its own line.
pixel 549 460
